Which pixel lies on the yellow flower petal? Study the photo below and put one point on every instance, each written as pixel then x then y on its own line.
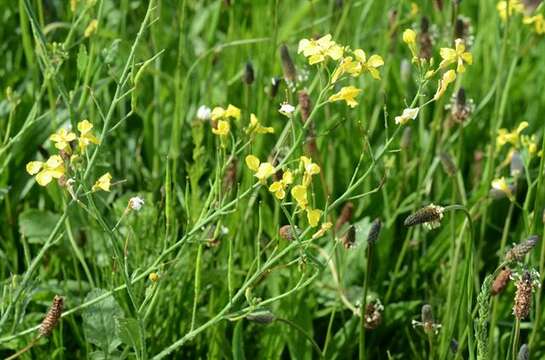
pixel 252 162
pixel 313 217
pixel 103 183
pixel 43 178
pixel 299 193
pixel 34 167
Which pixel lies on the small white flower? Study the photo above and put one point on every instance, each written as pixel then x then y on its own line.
pixel 203 113
pixel 286 109
pixel 136 203
pixel 408 114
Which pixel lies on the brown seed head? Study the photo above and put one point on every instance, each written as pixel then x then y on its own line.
pixel 518 251
pixel 304 105
pixel 248 75
pixel 287 233
pixel 349 238
pixel 52 317
pixel 374 231
pixel 373 316
pixel 448 163
pixel 501 281
pixel 429 214
pixel 345 216
pixel 523 296
pixel 287 64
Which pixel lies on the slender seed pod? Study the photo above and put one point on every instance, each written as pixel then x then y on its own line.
pixel 374 231
pixel 263 317
pixel 518 251
pixel 52 317
pixel 345 216
pixel 523 296
pixel 287 64
pixel 501 281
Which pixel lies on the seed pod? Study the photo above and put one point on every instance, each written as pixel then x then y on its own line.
pixel 374 231
pixel 349 238
pixel 248 75
pixel 52 317
pixel 524 353
pixel 275 84
pixel 373 316
pixel 304 105
pixel 264 317
pixel 518 251
pixel 429 214
pixel 427 318
pixel 346 215
pixel 501 281
pixel 448 163
pixel 287 64
pixel 523 296
pixel 516 167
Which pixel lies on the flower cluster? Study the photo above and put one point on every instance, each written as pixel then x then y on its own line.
pixel 507 9
pixel 57 166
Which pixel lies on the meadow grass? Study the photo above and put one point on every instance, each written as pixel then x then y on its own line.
pixel 392 208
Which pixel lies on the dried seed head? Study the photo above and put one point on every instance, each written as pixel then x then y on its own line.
pixel 406 138
pixel 230 176
pixel 518 251
pixel 287 233
pixel 304 105
pixel 460 107
pixel 523 296
pixel 264 317
pixel 287 65
pixel 345 216
pixel 430 216
pixel 448 163
pixel 248 75
pixel 501 281
pixel 52 317
pixel 373 315
pixel 426 44
pixel 516 167
pixel 349 238
pixel 524 353
pixel 374 231
pixel 462 29
pixel 275 84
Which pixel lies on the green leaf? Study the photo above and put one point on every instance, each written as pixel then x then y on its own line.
pixel 238 344
pixel 82 60
pixel 129 332
pixel 36 225
pixel 99 321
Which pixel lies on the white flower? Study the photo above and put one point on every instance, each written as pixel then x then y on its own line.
pixel 286 109
pixel 203 113
pixel 136 203
pixel 408 114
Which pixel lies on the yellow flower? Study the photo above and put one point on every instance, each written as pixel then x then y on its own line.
pixel 279 187
pixel 414 9
pixel 409 37
pixel 221 113
pixel 538 21
pixel 530 143
pixel 313 217
pixel 103 183
pixel 512 137
pixel 222 129
pixel 153 277
pixel 457 55
pixel 318 50
pixel 348 94
pixel 252 162
pixel 514 6
pixel 501 185
pixel 371 65
pixel 262 170
pixel 299 193
pixel 447 78
pixel 86 135
pixel 408 114
pixel 53 168
pixel 323 229
pixel 310 169
pixel 91 28
pixel 256 127
pixel 347 65
pixel 62 138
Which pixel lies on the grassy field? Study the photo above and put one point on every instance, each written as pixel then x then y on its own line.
pixel 251 179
